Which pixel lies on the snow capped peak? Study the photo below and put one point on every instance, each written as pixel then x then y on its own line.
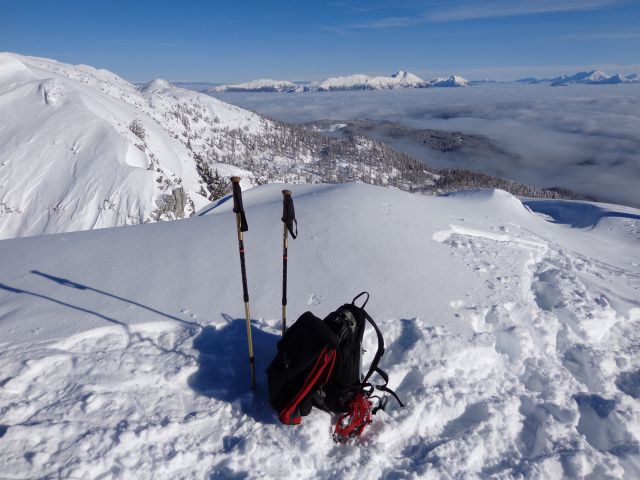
pixel 408 78
pixel 399 74
pixel 591 77
pixel 617 78
pixel 400 79
pixel 358 81
pixel 452 81
pixel 157 85
pixel 596 76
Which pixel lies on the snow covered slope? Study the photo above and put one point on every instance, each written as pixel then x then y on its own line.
pixel 82 148
pixel 512 332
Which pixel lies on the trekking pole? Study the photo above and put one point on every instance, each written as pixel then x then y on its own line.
pixel 241 224
pixel 288 217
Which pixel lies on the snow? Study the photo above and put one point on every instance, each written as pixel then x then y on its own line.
pixel 452 81
pixel 261 85
pixel 593 77
pixel 511 329
pixel 71 161
pixel 399 79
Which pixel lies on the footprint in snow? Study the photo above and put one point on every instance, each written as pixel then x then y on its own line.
pixel 409 335
pixel 315 299
pixel 457 304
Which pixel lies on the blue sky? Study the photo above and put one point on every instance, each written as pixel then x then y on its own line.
pixel 242 40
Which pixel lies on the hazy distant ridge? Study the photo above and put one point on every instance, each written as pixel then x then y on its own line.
pixel 593 77
pixel 400 79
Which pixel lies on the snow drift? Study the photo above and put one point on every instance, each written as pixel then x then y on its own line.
pixel 512 336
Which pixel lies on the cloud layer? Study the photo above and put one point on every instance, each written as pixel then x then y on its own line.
pixel 586 138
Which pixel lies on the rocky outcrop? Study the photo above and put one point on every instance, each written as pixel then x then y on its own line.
pixel 171 206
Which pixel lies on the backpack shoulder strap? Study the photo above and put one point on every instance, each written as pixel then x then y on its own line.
pixel 376 360
pixel 379 352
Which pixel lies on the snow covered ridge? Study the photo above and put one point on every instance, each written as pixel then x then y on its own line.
pixel 594 77
pixel 400 79
pixel 512 333
pixel 262 85
pixel 82 148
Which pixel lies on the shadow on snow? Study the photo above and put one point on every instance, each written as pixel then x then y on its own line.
pixel 79 286
pixel 223 367
pixel 575 214
pixel 223 360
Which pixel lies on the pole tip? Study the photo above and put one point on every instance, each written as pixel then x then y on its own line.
pixel 286 193
pixel 235 179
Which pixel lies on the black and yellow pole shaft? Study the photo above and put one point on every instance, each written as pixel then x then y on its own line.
pixel 241 224
pixel 288 217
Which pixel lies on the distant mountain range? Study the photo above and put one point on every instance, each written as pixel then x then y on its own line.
pixel 594 77
pixel 400 79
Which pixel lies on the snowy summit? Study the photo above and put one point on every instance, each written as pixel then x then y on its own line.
pixel 512 333
pixel 400 79
pixel 452 81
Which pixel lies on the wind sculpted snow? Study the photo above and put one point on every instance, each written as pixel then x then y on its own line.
pixel 512 335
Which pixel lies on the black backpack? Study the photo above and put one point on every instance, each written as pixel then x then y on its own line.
pixel 319 363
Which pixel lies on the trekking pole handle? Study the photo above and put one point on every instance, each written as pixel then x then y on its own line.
pixel 238 207
pixel 235 183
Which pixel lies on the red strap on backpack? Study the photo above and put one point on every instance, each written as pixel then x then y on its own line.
pixel 327 358
pixel 352 423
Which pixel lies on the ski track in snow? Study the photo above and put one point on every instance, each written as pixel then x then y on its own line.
pixel 533 391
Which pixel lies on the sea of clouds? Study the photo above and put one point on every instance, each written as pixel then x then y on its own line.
pixel 582 137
